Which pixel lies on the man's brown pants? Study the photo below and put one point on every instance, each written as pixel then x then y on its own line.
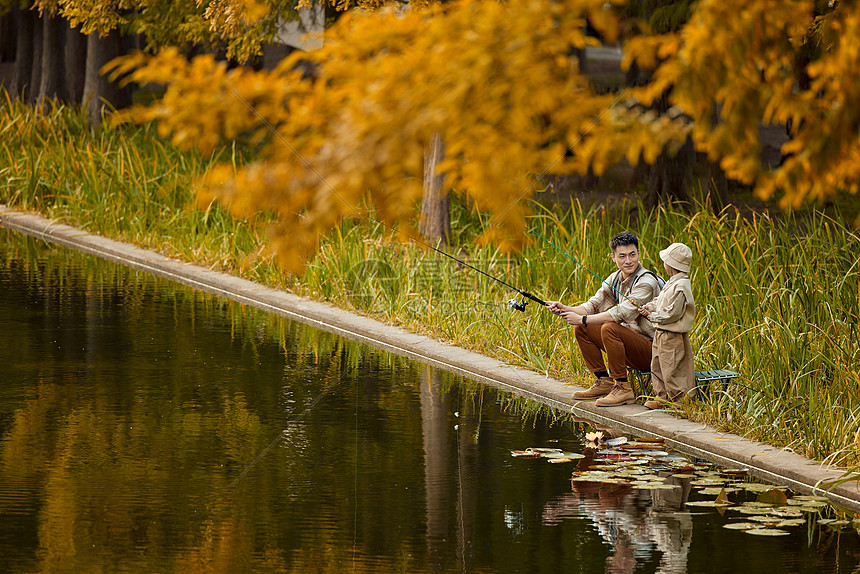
pixel 623 347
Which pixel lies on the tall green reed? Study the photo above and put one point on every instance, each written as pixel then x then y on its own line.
pixel 777 298
pixel 124 182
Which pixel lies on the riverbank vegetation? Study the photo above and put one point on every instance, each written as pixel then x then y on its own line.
pixel 777 297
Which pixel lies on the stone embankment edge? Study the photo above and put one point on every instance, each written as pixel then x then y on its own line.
pixel 769 463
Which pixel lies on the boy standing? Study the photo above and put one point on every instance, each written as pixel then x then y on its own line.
pixel 672 313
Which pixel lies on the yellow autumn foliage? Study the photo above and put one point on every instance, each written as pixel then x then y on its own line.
pixel 499 82
pixel 733 66
pixel 496 80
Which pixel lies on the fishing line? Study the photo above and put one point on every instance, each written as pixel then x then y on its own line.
pixel 290 424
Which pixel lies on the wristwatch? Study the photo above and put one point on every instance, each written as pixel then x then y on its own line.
pixel 585 319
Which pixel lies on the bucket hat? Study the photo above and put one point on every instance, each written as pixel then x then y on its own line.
pixel 678 256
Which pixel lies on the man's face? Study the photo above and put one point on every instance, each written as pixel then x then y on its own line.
pixel 626 258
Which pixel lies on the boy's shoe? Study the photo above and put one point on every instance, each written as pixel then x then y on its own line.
pixel 600 388
pixel 621 394
pixel 654 404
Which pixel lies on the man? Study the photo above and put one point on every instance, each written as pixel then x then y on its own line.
pixel 610 322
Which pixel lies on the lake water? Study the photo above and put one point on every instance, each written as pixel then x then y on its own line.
pixel 146 427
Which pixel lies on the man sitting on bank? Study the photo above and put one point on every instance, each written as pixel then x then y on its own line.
pixel 610 322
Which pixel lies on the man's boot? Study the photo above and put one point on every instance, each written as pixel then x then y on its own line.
pixel 600 388
pixel 621 394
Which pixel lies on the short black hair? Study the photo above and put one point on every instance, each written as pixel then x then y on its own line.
pixel 624 238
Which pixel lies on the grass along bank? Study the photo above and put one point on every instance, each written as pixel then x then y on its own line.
pixel 777 299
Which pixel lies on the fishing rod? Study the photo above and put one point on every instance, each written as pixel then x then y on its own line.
pixel 586 268
pixel 513 303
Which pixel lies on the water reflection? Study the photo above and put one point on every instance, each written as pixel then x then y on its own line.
pixel 145 427
pixel 633 523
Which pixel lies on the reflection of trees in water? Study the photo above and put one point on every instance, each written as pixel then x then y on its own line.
pixel 633 523
pixel 448 521
pixel 140 401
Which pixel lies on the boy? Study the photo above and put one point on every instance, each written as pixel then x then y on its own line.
pixel 672 313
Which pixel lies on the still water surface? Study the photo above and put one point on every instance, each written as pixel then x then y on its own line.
pixel 146 427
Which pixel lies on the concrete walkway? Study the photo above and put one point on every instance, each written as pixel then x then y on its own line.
pixel 766 462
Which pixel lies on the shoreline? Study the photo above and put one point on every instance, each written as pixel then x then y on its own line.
pixel 775 465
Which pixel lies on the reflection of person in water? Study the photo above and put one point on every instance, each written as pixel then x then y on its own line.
pixel 633 522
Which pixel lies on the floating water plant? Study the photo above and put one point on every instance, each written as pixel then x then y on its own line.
pixel 638 465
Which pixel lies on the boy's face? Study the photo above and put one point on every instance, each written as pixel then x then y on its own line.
pixel 626 258
pixel 669 270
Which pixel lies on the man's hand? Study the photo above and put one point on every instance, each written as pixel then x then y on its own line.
pixel 557 307
pixel 572 317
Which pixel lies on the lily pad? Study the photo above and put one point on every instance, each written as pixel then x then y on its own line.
pixel 811 498
pixel 757 487
pixel 678 460
pixel 788 512
pixel 807 503
pixel 832 522
pixel 556 460
pixel 708 482
pixel 713 490
pixel 761 518
pixel 767 532
pixel 791 522
pixel 747 509
pixel 543 450
pixel 616 458
pixel 525 454
pixel 839 524
pixel 616 441
pixel 606 480
pixel 741 525
pixel 564 455
pixel 708 503
pixel 651 440
pixel 652 477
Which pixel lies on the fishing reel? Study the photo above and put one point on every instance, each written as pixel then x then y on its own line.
pixel 514 304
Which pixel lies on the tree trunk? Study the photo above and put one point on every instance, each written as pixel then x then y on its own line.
pixel 668 181
pixel 469 477
pixel 36 65
pixel 76 65
pixel 668 178
pixel 434 429
pixel 99 93
pixel 53 63
pixel 435 224
pixel 717 191
pixel 7 36
pixel 23 55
